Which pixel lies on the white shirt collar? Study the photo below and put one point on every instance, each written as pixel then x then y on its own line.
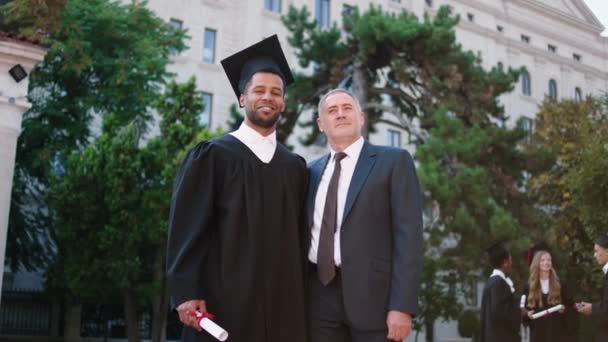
pixel 250 136
pixel 352 151
pixel 501 274
pixel 262 146
pixel 605 268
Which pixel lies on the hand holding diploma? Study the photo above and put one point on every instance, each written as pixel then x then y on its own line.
pixel 205 322
pixel 549 311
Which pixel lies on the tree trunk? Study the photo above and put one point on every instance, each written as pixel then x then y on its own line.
pixel 132 322
pixel 360 91
pixel 55 315
pixel 159 301
pixel 71 329
pixel 429 327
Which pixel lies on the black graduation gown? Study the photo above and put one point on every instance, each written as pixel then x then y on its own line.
pixel 236 240
pixel 500 313
pixel 599 311
pixel 551 328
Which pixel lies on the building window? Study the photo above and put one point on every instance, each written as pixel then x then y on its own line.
pixel 273 5
pixel 429 3
pixel 552 48
pixel 205 119
pixel 527 124
pixel 553 89
pixel 322 12
pixel 578 94
pixel 526 85
pixel 397 1
pixel 499 28
pixel 393 138
pixel 176 24
pixel 525 39
pixel 348 10
pixel 576 57
pixel 471 17
pixel 209 46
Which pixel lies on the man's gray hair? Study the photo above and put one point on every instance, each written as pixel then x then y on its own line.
pixel 335 91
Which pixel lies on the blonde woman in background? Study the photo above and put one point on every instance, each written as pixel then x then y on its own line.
pixel 543 291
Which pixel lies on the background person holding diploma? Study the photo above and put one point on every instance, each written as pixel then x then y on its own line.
pixel 365 212
pixel 543 291
pixel 236 223
pixel 500 312
pixel 599 310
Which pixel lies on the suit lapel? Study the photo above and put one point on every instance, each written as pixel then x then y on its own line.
pixel 366 161
pixel 316 170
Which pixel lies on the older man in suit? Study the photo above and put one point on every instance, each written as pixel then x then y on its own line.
pixel 364 209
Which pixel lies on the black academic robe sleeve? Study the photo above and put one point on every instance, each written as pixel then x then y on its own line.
pixel 500 315
pixel 502 306
pixel 190 217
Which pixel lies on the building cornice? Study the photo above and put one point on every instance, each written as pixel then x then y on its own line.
pixel 25 51
pixel 527 25
pixel 531 50
pixel 591 24
pixel 602 54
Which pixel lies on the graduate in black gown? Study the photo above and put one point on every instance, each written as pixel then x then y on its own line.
pixel 543 291
pixel 500 312
pixel 236 225
pixel 599 310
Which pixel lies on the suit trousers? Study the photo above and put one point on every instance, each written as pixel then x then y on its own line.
pixel 328 321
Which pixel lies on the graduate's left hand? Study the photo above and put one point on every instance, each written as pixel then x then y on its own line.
pixel 399 325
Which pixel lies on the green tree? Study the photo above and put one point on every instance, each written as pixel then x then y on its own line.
pixel 472 179
pixel 381 56
pixel 31 20
pixel 114 198
pixel 569 181
pixel 103 57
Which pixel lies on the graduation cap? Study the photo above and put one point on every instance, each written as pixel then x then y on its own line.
pixel 265 55
pixel 541 246
pixel 602 241
pixel 497 252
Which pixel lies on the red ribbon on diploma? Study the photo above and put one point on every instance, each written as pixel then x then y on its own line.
pixel 199 316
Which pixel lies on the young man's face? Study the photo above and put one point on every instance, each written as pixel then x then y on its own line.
pixel 263 99
pixel 601 254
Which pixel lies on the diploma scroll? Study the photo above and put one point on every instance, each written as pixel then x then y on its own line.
pixel 548 311
pixel 522 302
pixel 205 322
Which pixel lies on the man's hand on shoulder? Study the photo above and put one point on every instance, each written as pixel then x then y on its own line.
pixel 186 312
pixel 399 325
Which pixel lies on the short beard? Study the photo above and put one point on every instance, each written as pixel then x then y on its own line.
pixel 260 121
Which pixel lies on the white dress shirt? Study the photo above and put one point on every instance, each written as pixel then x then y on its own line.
pixel 346 174
pixel 508 280
pixel 605 268
pixel 262 146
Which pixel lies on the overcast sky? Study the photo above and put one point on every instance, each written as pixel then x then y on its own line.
pixel 600 9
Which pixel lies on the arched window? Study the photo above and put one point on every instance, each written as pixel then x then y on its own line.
pixel 553 89
pixel 526 87
pixel 578 94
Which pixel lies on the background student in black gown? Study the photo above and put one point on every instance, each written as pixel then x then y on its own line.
pixel 544 290
pixel 599 310
pixel 237 216
pixel 500 312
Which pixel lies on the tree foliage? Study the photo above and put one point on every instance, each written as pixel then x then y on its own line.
pixel 31 20
pixel 104 57
pixel 400 68
pixel 569 182
pixel 113 197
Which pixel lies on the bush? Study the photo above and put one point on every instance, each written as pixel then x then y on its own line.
pixel 468 324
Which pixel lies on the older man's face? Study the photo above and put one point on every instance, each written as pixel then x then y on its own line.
pixel 340 118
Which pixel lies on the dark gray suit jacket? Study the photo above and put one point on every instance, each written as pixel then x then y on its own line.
pixel 380 237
